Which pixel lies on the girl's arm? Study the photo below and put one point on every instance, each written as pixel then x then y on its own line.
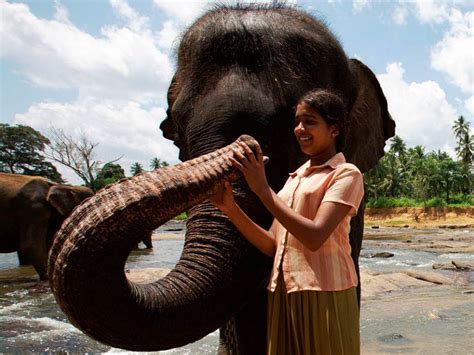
pixel 311 233
pixel 262 239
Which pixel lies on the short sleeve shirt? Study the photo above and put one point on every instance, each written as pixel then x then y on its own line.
pixel 330 268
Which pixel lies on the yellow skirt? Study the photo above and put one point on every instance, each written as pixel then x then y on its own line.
pixel 312 322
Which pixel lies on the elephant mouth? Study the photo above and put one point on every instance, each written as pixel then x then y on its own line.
pixel 216 275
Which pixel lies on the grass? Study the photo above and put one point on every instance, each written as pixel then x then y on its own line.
pixel 390 202
pixel 183 216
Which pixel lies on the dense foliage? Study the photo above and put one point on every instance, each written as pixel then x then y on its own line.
pixel 411 177
pixel 109 174
pixel 21 152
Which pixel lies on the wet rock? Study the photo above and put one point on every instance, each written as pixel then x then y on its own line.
pixel 435 277
pixel 455 226
pixel 374 283
pixel 443 266
pixel 383 254
pixel 394 338
pixel 463 265
pixel 435 315
pixel 455 265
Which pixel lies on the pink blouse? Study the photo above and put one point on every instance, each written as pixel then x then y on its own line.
pixel 330 268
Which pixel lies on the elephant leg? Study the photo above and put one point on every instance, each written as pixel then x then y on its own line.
pixel 355 237
pixel 251 324
pixel 147 241
pixel 33 246
pixel 23 258
pixel 246 332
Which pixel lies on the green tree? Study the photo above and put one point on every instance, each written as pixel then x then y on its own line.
pixel 464 150
pixel 136 169
pixel 157 163
pixel 465 141
pixel 21 152
pixel 109 174
pixel 398 146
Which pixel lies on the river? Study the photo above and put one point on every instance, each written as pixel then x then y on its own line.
pixel 431 320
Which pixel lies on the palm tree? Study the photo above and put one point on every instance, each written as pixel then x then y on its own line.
pixel 157 163
pixel 398 146
pixel 464 150
pixel 465 141
pixel 460 127
pixel 136 169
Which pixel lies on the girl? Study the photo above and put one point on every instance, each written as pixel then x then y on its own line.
pixel 312 303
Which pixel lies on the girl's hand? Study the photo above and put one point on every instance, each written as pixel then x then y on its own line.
pixel 252 167
pixel 223 199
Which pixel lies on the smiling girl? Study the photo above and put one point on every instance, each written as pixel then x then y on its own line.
pixel 312 303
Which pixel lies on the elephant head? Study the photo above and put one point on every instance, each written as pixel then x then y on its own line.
pixel 240 71
pixel 65 198
pixel 33 209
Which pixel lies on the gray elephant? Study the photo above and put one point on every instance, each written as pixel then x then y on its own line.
pixel 240 71
pixel 33 209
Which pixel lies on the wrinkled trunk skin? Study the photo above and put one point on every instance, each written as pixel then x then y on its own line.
pixel 217 273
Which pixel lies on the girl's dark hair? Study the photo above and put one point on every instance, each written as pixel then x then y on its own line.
pixel 331 107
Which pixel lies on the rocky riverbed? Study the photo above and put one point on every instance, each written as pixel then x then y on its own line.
pixel 417 294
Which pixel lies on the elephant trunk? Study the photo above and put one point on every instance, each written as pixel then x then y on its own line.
pixel 216 274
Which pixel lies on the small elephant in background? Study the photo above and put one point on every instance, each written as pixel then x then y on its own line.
pixel 147 241
pixel 32 210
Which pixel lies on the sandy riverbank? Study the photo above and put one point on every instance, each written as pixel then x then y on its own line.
pixel 418 217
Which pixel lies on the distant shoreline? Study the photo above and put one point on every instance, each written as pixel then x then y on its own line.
pixel 419 217
pixel 413 217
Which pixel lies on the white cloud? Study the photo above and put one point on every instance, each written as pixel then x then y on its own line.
pixel 120 63
pixel 420 110
pixel 454 55
pixel 431 12
pixel 183 11
pixel 426 11
pixel 168 35
pixel 469 105
pixel 61 13
pixel 120 128
pixel 135 21
pixel 400 14
pixel 358 5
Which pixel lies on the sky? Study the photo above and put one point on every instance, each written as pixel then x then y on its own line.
pixel 103 67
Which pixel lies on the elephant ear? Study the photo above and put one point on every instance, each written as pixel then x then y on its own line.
pixel 369 124
pixel 63 199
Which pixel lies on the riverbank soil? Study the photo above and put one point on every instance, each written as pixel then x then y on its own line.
pixel 418 217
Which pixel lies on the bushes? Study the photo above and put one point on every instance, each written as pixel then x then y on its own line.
pixel 390 202
pixel 183 216
pixel 436 202
pixel 387 202
pixel 462 200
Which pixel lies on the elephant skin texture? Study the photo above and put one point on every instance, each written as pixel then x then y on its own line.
pixel 33 209
pixel 240 71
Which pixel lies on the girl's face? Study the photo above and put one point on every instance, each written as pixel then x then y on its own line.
pixel 315 136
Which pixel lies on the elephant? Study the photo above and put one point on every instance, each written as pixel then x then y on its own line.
pixel 147 240
pixel 33 209
pixel 240 72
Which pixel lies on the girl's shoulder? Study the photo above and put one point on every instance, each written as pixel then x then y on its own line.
pixel 348 168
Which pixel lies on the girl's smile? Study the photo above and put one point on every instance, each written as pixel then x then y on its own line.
pixel 315 136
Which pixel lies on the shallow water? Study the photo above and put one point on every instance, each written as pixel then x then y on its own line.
pixel 434 320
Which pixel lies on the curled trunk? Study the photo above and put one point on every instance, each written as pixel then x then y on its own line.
pixel 218 271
